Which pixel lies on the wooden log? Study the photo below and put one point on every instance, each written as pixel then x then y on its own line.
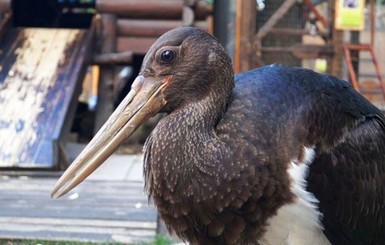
pixel 109 33
pixel 151 9
pixel 294 32
pixel 152 28
pixel 105 104
pixel 138 46
pixel 189 3
pixel 145 28
pixel 5 6
pixel 142 9
pixel 5 24
pixel 113 58
pixel 202 10
pixel 303 51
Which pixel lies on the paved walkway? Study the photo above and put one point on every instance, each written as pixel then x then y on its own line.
pixel 109 206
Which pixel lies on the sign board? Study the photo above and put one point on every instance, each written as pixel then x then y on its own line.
pixel 350 15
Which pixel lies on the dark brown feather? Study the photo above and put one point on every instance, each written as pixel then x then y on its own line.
pixel 216 164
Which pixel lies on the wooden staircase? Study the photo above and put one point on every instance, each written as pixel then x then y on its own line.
pixel 348 48
pixel 371 89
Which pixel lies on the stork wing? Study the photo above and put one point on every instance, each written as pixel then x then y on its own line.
pixel 349 182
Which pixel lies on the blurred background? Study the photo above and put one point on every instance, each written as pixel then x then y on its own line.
pixel 66 64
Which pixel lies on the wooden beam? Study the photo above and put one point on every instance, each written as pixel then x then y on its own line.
pixel 294 32
pixel 244 35
pixel 318 15
pixel 5 6
pixel 378 70
pixel 109 32
pixel 141 8
pixel 202 10
pixel 303 51
pixel 312 51
pixel 152 28
pixel 336 41
pixel 152 9
pixel 105 104
pixel 137 45
pixel 372 22
pixel 122 58
pixel 5 24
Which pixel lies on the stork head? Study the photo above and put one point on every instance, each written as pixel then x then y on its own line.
pixel 184 65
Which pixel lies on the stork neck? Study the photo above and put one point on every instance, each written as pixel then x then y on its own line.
pixel 185 132
pixel 203 114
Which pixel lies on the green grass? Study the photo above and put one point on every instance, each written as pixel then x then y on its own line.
pixel 158 240
pixel 161 240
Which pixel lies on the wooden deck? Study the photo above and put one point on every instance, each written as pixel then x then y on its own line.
pixel 99 210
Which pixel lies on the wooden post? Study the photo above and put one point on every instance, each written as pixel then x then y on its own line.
pixel 105 104
pixel 244 35
pixel 372 22
pixel 355 54
pixel 5 24
pixel 5 6
pixel 335 63
pixel 223 23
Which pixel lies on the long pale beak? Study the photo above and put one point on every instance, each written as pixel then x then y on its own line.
pixel 144 100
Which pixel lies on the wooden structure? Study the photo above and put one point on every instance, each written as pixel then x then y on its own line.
pixel 41 70
pixel 375 91
pixel 256 44
pixel 40 80
pixel 29 213
pixel 108 208
pixel 134 25
pixel 130 27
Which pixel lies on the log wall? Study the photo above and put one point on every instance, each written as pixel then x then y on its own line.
pixel 139 23
pixel 130 27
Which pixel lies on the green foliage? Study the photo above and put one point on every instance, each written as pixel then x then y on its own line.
pixel 40 242
pixel 158 240
pixel 161 240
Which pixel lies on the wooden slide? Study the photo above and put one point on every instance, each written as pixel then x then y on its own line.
pixel 41 72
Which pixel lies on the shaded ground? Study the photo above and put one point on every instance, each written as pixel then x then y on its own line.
pixel 109 207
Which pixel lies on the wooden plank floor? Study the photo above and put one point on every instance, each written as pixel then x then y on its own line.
pixel 97 210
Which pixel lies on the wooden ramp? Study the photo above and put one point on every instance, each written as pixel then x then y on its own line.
pixel 41 71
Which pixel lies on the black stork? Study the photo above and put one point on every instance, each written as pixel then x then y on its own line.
pixel 276 155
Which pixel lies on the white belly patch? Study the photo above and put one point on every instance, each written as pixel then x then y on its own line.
pixel 297 223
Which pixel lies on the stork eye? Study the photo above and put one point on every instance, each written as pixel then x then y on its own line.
pixel 167 56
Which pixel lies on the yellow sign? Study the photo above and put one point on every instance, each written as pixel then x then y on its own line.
pixel 350 15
